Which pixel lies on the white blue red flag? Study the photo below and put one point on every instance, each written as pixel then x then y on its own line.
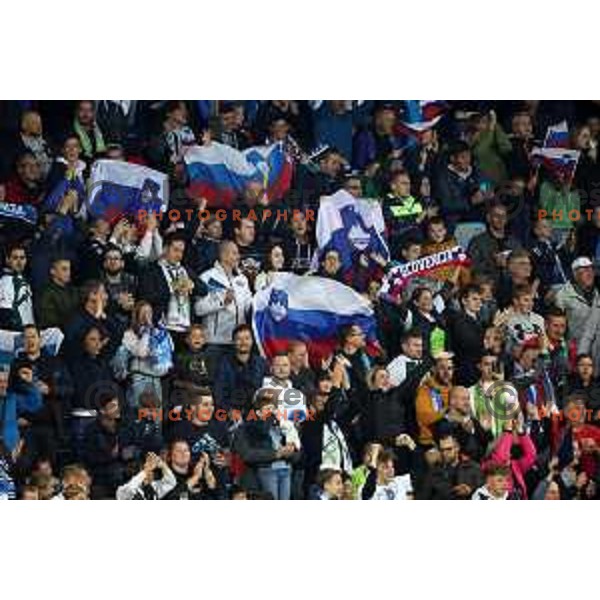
pixel 220 173
pixel 557 136
pixel 555 155
pixel 311 309
pixel 352 226
pixel 422 115
pixel 120 188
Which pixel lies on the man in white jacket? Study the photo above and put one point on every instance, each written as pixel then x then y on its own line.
pixel 229 298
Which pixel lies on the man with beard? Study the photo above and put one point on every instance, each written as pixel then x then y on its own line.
pixel 455 478
pixel 120 285
pixel 25 186
pixel 240 373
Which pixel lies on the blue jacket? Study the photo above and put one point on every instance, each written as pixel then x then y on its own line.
pixel 20 400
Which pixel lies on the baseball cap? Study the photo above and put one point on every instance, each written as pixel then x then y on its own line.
pixel 580 263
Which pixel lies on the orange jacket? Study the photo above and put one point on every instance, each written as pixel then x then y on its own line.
pixel 431 402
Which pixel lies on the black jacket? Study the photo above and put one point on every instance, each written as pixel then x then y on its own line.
pixel 386 415
pixel 466 341
pixel 89 374
pixel 236 382
pixel 101 455
pixel 440 481
pixel 154 288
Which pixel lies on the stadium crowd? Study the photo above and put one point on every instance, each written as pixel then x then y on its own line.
pixel 147 331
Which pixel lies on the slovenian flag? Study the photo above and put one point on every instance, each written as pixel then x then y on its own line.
pixel 352 226
pixel 557 136
pixel 556 156
pixel 310 309
pixel 421 116
pixel 220 173
pixel 120 188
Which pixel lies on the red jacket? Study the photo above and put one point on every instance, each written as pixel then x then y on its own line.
pixel 17 193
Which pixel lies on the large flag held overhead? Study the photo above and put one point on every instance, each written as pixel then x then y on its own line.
pixel 556 156
pixel 311 309
pixel 220 173
pixel 557 136
pixel 422 115
pixel 352 226
pixel 120 188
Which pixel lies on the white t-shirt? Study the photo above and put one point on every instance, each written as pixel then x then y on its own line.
pixel 398 489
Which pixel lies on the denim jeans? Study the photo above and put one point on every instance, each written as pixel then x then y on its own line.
pixel 138 384
pixel 275 481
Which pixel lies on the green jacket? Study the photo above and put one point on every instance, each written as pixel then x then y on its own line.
pixel 559 199
pixel 490 149
pixel 57 305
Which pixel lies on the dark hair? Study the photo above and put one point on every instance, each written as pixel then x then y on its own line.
pixel 200 392
pixel 554 311
pixel 18 245
pixel 493 469
pixel 31 326
pixel 495 203
pixel 446 434
pixel 90 286
pixel 236 489
pixel 105 397
pixel 59 258
pixel 173 443
pixel 241 327
pixel 410 240
pixel 385 457
pixel 418 292
pixel 264 397
pixel 582 356
pixel 345 332
pixel 268 264
pixel 176 236
pixel 23 155
pixel 111 248
pixel 326 475
pixel 411 334
pixel 436 220
pixel 522 290
pixel 469 289
pixel 458 147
